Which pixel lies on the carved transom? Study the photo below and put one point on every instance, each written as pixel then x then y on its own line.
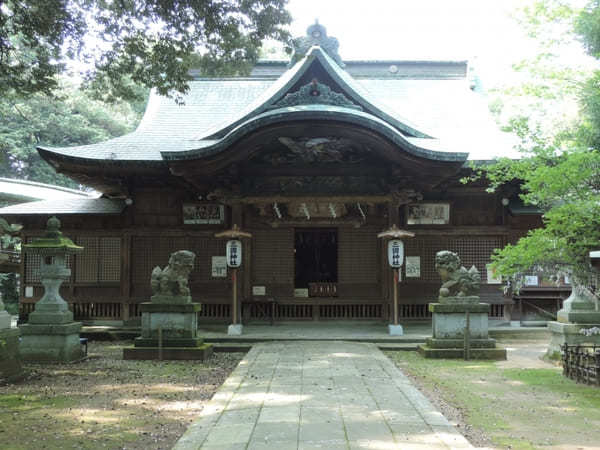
pixel 326 149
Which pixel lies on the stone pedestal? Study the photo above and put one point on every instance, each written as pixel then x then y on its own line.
pixel 10 362
pixel 578 313
pixel 5 317
pixel 448 330
pixel 51 343
pixel 177 321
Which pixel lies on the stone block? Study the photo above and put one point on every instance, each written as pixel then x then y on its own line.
pixel 576 316
pixel 496 354
pixel 171 299
pixel 460 343
pixel 199 353
pixel 569 333
pixel 465 300
pixel 177 321
pixel 235 330
pixel 10 360
pixel 395 330
pixel 452 325
pixel 51 343
pixel 145 342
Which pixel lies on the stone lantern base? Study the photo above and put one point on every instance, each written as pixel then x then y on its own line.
pixel 569 333
pixel 448 329
pixel 51 342
pixel 178 324
pixel 10 362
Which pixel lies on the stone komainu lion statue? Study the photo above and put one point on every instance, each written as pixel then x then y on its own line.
pixel 456 280
pixel 173 279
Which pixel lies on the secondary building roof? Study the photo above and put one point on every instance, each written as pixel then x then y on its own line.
pixel 19 191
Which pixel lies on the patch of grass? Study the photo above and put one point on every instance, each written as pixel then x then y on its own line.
pixel 516 408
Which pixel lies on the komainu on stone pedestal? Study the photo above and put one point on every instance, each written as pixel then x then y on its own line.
pixel 459 285
pixel 170 285
pixel 458 298
pixel 170 319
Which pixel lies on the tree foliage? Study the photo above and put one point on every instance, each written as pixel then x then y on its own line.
pixel 151 43
pixel 560 169
pixel 69 118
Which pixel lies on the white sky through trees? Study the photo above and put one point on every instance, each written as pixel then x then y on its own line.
pixel 481 31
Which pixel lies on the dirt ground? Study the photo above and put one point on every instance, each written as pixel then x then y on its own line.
pixel 106 402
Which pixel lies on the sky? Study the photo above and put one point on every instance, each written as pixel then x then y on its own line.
pixel 481 31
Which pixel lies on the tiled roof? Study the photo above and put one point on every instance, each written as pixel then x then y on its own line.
pixel 66 206
pixel 24 190
pixel 444 108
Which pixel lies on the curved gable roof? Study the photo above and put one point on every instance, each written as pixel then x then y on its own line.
pixel 216 112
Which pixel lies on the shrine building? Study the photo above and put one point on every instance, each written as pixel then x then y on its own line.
pixel 314 157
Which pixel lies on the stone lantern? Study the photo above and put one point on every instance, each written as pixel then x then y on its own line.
pixel 51 334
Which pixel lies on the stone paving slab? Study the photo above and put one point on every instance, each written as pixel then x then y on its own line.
pixel 319 395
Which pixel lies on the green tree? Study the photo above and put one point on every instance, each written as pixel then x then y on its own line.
pixel 69 118
pixel 560 169
pixel 150 43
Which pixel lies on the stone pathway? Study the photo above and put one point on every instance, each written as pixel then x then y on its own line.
pixel 319 395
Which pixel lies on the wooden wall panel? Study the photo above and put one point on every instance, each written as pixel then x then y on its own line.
pixel 472 250
pixel 273 260
pixel 358 256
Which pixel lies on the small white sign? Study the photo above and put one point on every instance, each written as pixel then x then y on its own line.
pixel 531 280
pixel 492 276
pixel 234 253
pixel 219 266
pixel 567 279
pixel 259 290
pixel 300 292
pixel 28 291
pixel 413 267
pixel 395 253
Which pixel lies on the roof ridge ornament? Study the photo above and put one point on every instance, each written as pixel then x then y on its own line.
pixel 316 34
pixel 315 93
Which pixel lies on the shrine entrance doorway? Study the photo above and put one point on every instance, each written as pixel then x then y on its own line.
pixel 316 261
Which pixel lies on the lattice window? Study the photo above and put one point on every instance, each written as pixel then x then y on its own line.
pixel 100 261
pixel 474 250
pixel 110 259
pixel 151 251
pixel 205 247
pixel 32 268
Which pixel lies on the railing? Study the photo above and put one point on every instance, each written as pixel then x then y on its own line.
pixel 582 363
pixel 360 311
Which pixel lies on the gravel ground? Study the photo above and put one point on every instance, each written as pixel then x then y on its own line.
pixel 106 402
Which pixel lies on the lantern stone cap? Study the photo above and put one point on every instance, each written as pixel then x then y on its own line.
pixel 395 233
pixel 234 233
pixel 53 241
